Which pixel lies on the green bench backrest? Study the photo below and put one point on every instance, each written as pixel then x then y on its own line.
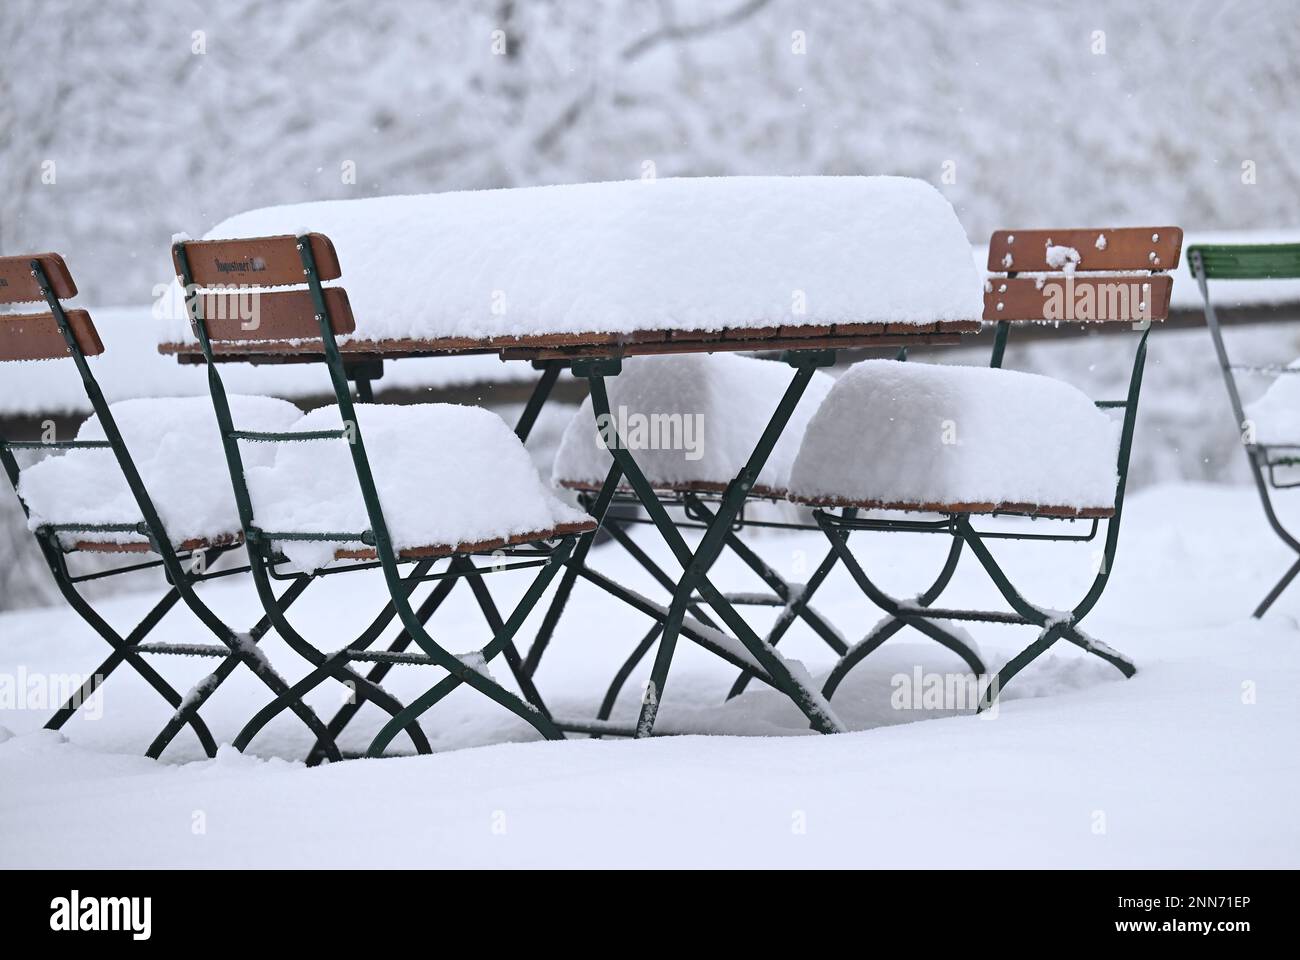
pixel 1246 261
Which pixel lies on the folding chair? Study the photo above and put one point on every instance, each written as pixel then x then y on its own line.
pixel 58 493
pixel 854 461
pixel 711 410
pixel 534 526
pixel 1265 453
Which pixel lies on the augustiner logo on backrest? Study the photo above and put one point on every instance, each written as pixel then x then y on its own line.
pixel 251 265
pixel 3 282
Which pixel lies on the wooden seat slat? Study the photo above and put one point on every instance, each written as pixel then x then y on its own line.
pixel 1035 509
pixel 481 546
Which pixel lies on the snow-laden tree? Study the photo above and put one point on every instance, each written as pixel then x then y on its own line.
pixel 122 122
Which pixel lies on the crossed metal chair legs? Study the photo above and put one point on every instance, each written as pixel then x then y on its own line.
pixel 743 646
pixel 921 614
pixel 234 648
pixel 463 669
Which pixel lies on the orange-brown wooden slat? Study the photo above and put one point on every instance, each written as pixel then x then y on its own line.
pixel 273 315
pixel 17 285
pixel 750 333
pixel 258 261
pixel 1105 248
pixel 1120 298
pixel 36 336
pixel 858 329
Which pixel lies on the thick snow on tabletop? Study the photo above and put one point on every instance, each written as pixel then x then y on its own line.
pixel 1276 415
pixel 693 254
pixel 919 433
pixel 175 444
pixel 693 418
pixel 446 475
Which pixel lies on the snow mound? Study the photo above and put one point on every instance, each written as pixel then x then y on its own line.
pixel 446 475
pixel 693 418
pixel 915 433
pixel 694 254
pixel 1276 414
pixel 175 444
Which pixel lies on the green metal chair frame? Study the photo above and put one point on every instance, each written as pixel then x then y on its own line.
pixel 182 570
pixel 919 612
pixel 264 560
pixel 1241 261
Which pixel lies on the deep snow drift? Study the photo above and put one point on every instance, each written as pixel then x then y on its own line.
pixel 1191 763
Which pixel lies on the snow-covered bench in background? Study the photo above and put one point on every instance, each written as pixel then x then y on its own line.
pixel 957 442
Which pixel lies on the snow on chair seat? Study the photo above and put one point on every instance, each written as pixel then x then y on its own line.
pixel 176 446
pixel 719 259
pixel 451 479
pixel 1275 416
pixel 691 422
pixel 948 439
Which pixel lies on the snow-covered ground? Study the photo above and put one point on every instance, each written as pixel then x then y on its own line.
pixel 1191 763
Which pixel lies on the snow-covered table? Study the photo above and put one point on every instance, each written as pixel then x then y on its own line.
pixel 584 276
pixel 640 267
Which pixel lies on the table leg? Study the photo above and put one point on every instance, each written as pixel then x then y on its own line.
pixel 697 563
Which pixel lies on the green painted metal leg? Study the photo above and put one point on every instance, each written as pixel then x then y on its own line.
pixel 423 613
pixel 205 688
pixel 562 592
pixel 696 564
pixel 1276 592
pixel 335 666
pixel 892 624
pixel 97 623
pixel 774 581
pixel 644 560
pixel 620 678
pixel 460 672
pixel 1054 624
pixel 113 661
pixel 508 650
pixel 786 618
pixel 908 614
pixel 1017 663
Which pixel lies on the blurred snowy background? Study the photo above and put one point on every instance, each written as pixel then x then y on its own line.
pixel 1046 112
pixel 124 122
